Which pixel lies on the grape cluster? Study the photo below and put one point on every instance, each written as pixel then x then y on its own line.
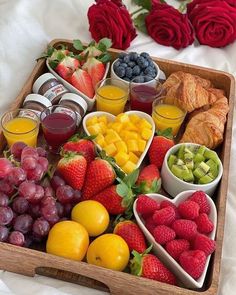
pixel 28 206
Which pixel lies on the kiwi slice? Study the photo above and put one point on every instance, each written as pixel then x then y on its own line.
pixel 180 153
pixel 179 170
pixel 189 177
pixel 172 160
pixel 214 170
pixel 201 170
pixel 208 154
pixel 188 159
pixel 198 158
pixel 206 179
pixel 201 150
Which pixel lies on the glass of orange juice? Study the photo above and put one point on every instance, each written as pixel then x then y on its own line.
pixel 167 115
pixel 111 96
pixel 20 125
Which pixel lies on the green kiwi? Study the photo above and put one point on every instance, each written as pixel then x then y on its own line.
pixel 172 160
pixel 201 170
pixel 180 153
pixel 206 179
pixel 214 169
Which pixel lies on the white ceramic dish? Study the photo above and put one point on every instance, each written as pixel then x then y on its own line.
pixel 173 185
pixel 90 101
pixel 112 117
pixel 160 252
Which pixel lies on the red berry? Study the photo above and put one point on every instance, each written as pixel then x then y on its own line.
pixel 205 244
pixel 200 198
pixel 150 225
pixel 189 210
pixel 193 262
pixel 176 247
pixel 185 229
pixel 167 203
pixel 204 224
pixel 163 234
pixel 164 216
pixel 146 205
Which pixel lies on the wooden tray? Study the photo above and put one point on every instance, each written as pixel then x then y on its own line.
pixel 28 261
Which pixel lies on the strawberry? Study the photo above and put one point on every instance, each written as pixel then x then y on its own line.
pixel 149 266
pixel 95 68
pixel 189 209
pixel 193 262
pixel 149 180
pixel 163 234
pixel 72 167
pixel 204 224
pixel 82 81
pixel 200 198
pixel 84 146
pixel 66 67
pixel 100 175
pixel 132 234
pixel 164 216
pixel 159 147
pixel 146 205
pixel 176 247
pixel 205 244
pixel 185 229
pixel 58 54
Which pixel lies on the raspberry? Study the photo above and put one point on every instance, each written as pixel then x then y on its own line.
pixel 193 262
pixel 200 198
pixel 150 225
pixel 205 244
pixel 189 209
pixel 146 205
pixel 164 216
pixel 176 247
pixel 185 229
pixel 166 203
pixel 163 234
pixel 204 224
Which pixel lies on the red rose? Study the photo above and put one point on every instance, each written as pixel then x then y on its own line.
pixel 167 26
pixel 214 21
pixel 111 19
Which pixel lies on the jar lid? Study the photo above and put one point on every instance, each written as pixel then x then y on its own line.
pixel 38 98
pixel 75 98
pixel 41 80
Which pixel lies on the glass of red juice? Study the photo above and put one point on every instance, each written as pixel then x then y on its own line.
pixel 143 93
pixel 58 125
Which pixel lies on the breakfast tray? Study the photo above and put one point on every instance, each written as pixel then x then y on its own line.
pixel 29 261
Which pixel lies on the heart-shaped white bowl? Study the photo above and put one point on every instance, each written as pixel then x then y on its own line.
pixel 112 117
pixel 161 253
pixel 90 101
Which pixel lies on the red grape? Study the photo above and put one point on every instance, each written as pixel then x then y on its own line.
pixel 16 238
pixel 17 176
pixel 28 240
pixel 4 232
pixel 6 215
pixel 48 191
pixel 23 223
pixel 57 181
pixel 20 205
pixel 16 149
pixel 36 173
pixel 65 194
pixel 60 209
pixel 34 210
pixel 28 163
pixel 47 201
pixel 49 212
pixel 41 152
pixel 38 195
pixel 4 200
pixel 29 152
pixel 41 227
pixel 27 189
pixel 77 196
pixel 6 187
pixel 5 167
pixel 44 163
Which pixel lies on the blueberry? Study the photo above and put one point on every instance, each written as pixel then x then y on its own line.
pixel 116 64
pixel 149 71
pixel 126 59
pixel 120 71
pixel 126 79
pixel 142 62
pixel 133 56
pixel 122 55
pixel 131 64
pixel 128 72
pixel 147 78
pixel 151 64
pixel 139 79
pixel 124 65
pixel 136 70
pixel 145 55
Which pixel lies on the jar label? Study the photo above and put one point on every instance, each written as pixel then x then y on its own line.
pixel 55 91
pixel 70 113
pixel 29 114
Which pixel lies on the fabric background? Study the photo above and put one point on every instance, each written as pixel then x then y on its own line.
pixel 26 26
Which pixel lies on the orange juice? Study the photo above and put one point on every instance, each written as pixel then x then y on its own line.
pixel 111 99
pixel 167 116
pixel 21 129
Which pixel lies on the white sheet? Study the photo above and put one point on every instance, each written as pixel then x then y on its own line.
pixel 26 26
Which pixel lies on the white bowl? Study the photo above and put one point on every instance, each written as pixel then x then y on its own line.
pixel 173 185
pixel 112 117
pixel 164 256
pixel 90 101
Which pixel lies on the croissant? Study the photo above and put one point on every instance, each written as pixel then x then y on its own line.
pixel 187 91
pixel 207 128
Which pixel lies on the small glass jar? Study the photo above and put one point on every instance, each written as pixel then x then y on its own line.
pixel 48 86
pixel 36 103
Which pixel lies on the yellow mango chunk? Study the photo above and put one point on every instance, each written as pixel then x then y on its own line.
pixel 145 124
pixel 123 118
pixel 103 127
pixel 91 121
pixel 103 119
pixel 121 158
pixel 100 140
pixel 132 145
pixel 133 158
pixel 95 129
pixel 124 134
pixel 141 145
pixel 112 136
pixel 128 167
pixel 109 125
pixel 134 118
pixel 110 149
pixel 146 133
pixel 132 135
pixel 121 146
pixel 117 126
pixel 130 126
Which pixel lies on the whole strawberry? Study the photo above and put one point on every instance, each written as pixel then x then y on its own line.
pixel 149 180
pixel 193 262
pixel 84 146
pixel 159 147
pixel 72 167
pixel 132 234
pixel 149 266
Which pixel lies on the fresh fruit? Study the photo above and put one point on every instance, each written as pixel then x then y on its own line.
pixel 72 167
pixel 92 215
pixel 82 81
pixel 6 215
pixel 166 203
pixel 100 174
pixel 109 251
pixel 189 210
pixel 205 244
pixel 200 198
pixel 163 234
pixel 16 149
pixel 185 229
pixel 68 239
pixel 159 147
pixel 149 179
pixel 149 266
pixel 193 262
pixel 66 67
pixel 177 247
pixel 5 167
pixel 65 194
pixel 204 224
pixel 95 68
pixel 164 216
pixel 132 234
pixel 146 206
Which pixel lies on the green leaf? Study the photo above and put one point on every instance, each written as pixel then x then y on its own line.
pixel 77 44
pixel 146 4
pixel 122 189
pixel 139 22
pixel 131 178
pixel 105 58
pixel 53 63
pixel 104 44
pixel 166 133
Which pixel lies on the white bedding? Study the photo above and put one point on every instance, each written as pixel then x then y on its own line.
pixel 26 26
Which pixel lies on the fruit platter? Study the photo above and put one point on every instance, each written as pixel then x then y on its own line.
pixel 104 189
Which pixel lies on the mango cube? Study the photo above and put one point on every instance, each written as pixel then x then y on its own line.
pixel 95 129
pixel 132 145
pixel 128 167
pixel 110 149
pixel 130 126
pixel 91 121
pixel 100 140
pixel 124 134
pixel 121 146
pixel 133 158
pixel 141 145
pixel 145 124
pixel 132 135
pixel 103 127
pixel 121 158
pixel 134 118
pixel 112 136
pixel 117 126
pixel 123 118
pixel 146 133
pixel 103 119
